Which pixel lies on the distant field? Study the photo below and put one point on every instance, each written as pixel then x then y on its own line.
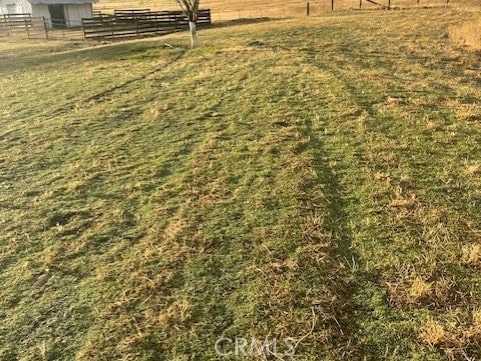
pixel 316 179
pixel 467 34
pixel 237 9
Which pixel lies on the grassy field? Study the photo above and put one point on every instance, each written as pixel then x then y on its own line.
pixel 238 9
pixel 319 180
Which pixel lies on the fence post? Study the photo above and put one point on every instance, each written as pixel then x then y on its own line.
pixel 307 9
pixel 360 4
pixel 7 26
pixel 332 5
pixel 176 20
pixel 27 27
pixel 45 26
pixel 83 29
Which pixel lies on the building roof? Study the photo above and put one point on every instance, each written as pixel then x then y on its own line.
pixel 51 2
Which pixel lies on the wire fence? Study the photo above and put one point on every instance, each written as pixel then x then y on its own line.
pixel 244 9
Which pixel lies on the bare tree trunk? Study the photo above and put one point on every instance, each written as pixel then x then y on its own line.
pixel 193 34
pixel 191 11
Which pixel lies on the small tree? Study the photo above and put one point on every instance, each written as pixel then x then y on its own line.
pixel 191 10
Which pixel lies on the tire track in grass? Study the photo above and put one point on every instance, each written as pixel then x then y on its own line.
pixel 345 150
pixel 431 280
pixel 115 244
pixel 180 246
pixel 386 125
pixel 250 253
pixel 294 259
pixel 331 164
pixel 231 301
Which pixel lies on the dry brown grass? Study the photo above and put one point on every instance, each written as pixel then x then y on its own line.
pixel 239 9
pixel 468 34
pixel 471 254
pixel 472 169
pixel 454 337
pixel 411 290
pixel 433 333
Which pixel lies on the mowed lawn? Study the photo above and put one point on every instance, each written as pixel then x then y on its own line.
pixel 318 179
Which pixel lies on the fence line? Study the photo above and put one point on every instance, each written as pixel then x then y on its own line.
pixel 138 22
pixel 30 27
pixel 123 24
pixel 23 25
pixel 143 21
pixel 237 9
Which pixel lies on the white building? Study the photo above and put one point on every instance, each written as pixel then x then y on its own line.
pixel 56 12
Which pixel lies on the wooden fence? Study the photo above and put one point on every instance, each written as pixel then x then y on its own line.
pixel 138 23
pixel 23 25
pixel 11 23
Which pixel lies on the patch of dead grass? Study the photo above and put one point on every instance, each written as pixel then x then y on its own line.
pixel 433 333
pixel 413 289
pixel 455 337
pixel 467 34
pixel 471 254
pixel 472 169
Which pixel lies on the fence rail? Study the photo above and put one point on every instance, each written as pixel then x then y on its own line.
pixel 23 25
pixel 31 27
pixel 122 24
pixel 13 22
pixel 138 22
pixel 131 11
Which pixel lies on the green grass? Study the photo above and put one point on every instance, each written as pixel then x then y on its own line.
pixel 325 187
